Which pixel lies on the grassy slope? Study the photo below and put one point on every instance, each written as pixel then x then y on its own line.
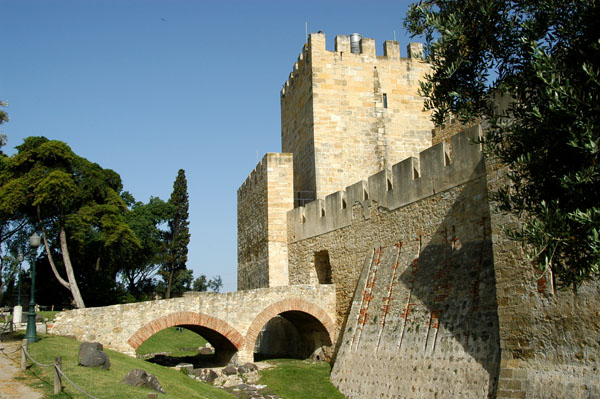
pixel 298 379
pixel 172 341
pixel 106 383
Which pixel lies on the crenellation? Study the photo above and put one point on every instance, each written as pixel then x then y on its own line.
pixel 408 181
pixel 391 49
pixel 342 44
pixel 349 115
pixel 415 50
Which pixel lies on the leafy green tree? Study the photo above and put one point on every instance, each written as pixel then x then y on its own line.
pixel 3 118
pixel 178 235
pixel 203 284
pixel 139 264
pixel 72 200
pixel 545 57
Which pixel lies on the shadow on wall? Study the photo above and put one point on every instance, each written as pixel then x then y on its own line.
pixel 428 303
pixel 225 350
pixel 292 334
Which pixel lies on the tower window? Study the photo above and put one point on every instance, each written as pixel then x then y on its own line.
pixel 384 100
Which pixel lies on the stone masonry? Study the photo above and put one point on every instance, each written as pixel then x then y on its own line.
pixel 231 322
pixel 263 201
pixel 433 299
pixel 345 116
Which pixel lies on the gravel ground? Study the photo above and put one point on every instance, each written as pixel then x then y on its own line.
pixel 10 358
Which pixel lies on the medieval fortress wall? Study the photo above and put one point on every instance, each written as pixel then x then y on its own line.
pixel 263 201
pixel 432 299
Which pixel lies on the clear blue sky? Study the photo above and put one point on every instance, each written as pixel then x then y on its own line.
pixel 148 87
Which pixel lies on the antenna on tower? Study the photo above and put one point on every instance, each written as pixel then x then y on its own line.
pixel 306 30
pixel 394 35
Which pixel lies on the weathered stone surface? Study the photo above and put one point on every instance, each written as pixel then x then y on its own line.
pixel 264 199
pixel 230 321
pixel 205 375
pixel 139 377
pixel 91 355
pixel 206 351
pixel 250 367
pixel 230 370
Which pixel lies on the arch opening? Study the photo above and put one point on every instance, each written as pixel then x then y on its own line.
pixel 209 349
pixel 223 339
pixel 293 334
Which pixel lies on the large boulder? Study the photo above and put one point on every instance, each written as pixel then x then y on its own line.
pixel 205 351
pixel 91 355
pixel 205 375
pixel 230 370
pixel 139 377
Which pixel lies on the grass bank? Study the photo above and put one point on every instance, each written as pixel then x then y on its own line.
pixel 176 342
pixel 290 379
pixel 107 383
pixel 300 379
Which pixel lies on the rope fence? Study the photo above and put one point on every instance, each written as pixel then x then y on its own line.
pixel 59 375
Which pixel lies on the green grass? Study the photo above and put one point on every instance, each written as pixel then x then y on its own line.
pixel 107 383
pixel 299 379
pixel 48 314
pixel 179 344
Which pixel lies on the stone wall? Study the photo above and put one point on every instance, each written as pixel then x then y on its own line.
pixel 263 200
pixel 346 116
pixel 550 338
pixel 432 299
pixel 297 126
pixel 424 314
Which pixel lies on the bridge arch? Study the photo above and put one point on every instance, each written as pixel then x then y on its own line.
pixel 223 337
pixel 307 317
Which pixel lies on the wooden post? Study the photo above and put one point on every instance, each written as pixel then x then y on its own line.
pixel 152 395
pixel 23 357
pixel 57 383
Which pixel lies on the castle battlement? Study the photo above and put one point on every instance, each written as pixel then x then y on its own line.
pixel 342 51
pixel 438 168
pixel 254 178
pixel 260 172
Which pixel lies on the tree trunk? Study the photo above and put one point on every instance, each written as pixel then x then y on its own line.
pixel 49 255
pixel 169 283
pixel 69 269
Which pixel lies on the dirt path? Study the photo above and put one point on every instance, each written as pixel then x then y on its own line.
pixel 9 369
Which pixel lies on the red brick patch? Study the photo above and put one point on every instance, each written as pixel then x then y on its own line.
pixel 186 318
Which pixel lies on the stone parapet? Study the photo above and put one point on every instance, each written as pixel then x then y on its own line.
pixel 410 180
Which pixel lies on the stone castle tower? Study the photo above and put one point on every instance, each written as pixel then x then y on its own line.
pixel 345 115
pixel 349 113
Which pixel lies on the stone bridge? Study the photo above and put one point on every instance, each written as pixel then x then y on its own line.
pixel 231 322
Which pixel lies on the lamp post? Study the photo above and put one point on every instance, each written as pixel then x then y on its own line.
pixel 20 258
pixel 31 335
pixel 18 309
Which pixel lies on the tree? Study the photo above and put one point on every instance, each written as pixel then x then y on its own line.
pixel 72 200
pixel 3 118
pixel 545 56
pixel 139 264
pixel 202 284
pixel 178 235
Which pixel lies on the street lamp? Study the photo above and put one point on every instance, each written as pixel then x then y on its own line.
pixel 31 335
pixel 20 259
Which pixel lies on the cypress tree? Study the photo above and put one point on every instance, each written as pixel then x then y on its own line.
pixel 178 234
